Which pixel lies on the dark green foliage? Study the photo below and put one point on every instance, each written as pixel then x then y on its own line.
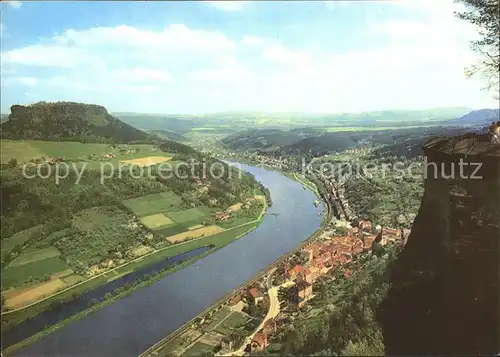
pixel 67 121
pixel 346 323
pixel 485 14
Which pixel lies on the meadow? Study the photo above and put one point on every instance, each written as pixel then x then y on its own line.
pixel 91 153
pixel 73 236
pixel 234 321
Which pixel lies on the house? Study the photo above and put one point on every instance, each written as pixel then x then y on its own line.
pixel 347 273
pixel 259 342
pixel 313 250
pixel 270 327
pixel 353 231
pixel 303 292
pixel 312 270
pixel 235 299
pixel 55 160
pixel 326 257
pixel 226 345
pixel 254 295
pixel 391 233
pixel 365 226
pixel 368 243
pixel 109 156
pixel 108 263
pixel 305 275
pixel 292 273
pixel 222 216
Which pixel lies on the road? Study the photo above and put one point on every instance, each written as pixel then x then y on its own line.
pixel 274 309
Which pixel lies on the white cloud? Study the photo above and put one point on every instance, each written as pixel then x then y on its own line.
pixel 223 76
pixel 25 81
pixel 45 56
pixel 228 5
pixel 417 63
pixel 141 75
pixel 175 36
pixel 15 4
pixel 283 55
pixel 252 40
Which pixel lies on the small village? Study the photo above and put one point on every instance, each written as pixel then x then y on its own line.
pixel 250 320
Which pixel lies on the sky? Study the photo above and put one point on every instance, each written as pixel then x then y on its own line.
pixel 214 56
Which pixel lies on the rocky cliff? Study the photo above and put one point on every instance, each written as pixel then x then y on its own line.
pixel 444 297
pixel 67 121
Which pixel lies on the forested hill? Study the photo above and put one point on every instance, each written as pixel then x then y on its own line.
pixel 68 121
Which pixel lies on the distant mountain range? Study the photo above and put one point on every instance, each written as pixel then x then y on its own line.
pixel 478 117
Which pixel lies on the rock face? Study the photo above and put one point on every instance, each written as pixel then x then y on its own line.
pixel 444 297
pixel 67 121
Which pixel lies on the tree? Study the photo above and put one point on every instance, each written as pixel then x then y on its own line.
pixel 13 162
pixel 485 14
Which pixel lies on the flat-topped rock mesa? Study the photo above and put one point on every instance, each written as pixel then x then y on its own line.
pixel 68 121
pixel 444 297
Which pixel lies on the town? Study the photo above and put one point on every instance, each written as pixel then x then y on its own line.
pixel 250 320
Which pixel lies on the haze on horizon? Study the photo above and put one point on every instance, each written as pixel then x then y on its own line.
pixel 207 57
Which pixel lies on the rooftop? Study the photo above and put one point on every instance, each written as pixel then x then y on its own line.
pixel 255 292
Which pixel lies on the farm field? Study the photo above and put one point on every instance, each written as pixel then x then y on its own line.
pixel 17 275
pixel 234 321
pixel 34 255
pixel 196 233
pixel 146 161
pixel 156 203
pixel 198 349
pixel 90 153
pixel 35 293
pixel 156 220
pixel 218 317
pixel 20 238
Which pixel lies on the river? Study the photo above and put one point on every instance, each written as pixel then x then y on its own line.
pixel 134 323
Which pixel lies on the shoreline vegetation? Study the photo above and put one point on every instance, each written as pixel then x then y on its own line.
pixel 129 288
pixel 124 291
pixel 231 230
pixel 167 340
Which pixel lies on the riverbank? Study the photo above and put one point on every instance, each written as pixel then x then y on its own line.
pixel 162 347
pixel 217 242
pixel 108 301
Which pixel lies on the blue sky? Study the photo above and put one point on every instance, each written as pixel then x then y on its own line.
pixel 201 57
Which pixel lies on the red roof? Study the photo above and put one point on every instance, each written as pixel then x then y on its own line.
pixel 368 242
pixel 255 292
pixel 298 269
pixel 235 299
pixel 260 338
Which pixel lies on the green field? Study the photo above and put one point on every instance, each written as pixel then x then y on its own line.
pixel 156 220
pixel 176 219
pixel 156 203
pixel 234 321
pixel 14 275
pixel 73 279
pixel 189 216
pixel 34 255
pixel 20 238
pixel 91 153
pixel 217 240
pixel 47 241
pixel 198 349
pixel 217 318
